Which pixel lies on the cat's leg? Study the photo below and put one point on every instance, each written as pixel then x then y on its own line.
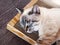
pixel 49 36
pixel 47 40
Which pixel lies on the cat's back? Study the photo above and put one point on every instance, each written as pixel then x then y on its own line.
pixel 54 14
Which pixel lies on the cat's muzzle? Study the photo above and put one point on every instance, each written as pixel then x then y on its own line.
pixel 28 29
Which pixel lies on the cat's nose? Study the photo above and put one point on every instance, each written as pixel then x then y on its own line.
pixel 26 28
pixel 28 20
pixel 36 9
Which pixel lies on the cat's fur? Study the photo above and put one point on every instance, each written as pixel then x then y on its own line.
pixel 45 21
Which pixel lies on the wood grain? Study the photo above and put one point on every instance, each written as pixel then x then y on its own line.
pixel 16 18
pixel 10 25
pixel 21 35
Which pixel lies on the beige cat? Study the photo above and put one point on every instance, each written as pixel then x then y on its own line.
pixel 45 21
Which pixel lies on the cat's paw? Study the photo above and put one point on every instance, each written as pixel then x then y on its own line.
pixel 39 39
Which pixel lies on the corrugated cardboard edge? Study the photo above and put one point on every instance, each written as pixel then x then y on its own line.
pixel 10 25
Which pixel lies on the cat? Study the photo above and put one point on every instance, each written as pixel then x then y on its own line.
pixel 45 21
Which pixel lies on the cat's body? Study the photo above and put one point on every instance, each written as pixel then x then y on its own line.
pixel 45 21
pixel 49 26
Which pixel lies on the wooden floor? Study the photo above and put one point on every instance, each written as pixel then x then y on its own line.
pixel 7 12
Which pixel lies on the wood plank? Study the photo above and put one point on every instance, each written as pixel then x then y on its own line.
pixel 14 20
pixel 20 34
pixel 10 25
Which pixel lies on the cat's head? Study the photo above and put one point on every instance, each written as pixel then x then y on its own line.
pixel 29 18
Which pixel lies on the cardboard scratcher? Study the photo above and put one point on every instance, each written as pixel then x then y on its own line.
pixel 14 26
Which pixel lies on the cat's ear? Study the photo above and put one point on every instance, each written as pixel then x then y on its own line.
pixel 36 9
pixel 20 10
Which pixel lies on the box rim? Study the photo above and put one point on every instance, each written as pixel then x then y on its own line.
pixel 12 22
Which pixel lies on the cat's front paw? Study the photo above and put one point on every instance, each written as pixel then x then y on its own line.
pixel 39 40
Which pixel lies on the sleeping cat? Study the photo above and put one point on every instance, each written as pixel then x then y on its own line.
pixel 45 21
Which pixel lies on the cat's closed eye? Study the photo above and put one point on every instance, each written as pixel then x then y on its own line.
pixel 30 13
pixel 34 21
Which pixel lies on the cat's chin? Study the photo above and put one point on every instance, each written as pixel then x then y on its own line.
pixel 32 30
pixel 29 32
